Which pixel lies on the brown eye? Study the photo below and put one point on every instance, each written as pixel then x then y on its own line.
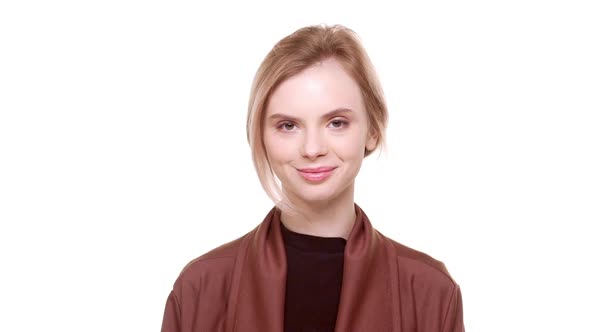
pixel 338 124
pixel 288 126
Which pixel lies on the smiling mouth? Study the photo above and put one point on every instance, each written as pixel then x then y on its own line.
pixel 316 174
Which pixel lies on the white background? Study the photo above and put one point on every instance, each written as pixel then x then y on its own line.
pixel 123 150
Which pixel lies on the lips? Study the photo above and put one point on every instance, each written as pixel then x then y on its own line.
pixel 316 174
pixel 316 169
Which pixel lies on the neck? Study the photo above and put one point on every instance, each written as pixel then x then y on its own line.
pixel 333 218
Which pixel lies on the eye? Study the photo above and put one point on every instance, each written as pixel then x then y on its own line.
pixel 339 123
pixel 287 126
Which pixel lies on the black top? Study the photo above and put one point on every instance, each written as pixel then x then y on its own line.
pixel 314 279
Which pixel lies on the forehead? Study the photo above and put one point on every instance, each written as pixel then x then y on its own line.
pixel 315 91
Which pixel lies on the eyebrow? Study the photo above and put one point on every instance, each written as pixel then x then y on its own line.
pixel 325 116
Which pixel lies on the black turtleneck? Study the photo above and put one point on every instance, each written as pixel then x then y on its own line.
pixel 314 279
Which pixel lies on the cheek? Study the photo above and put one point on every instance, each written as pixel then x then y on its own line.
pixel 277 150
pixel 350 148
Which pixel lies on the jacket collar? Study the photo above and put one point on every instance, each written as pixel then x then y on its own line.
pixel 369 295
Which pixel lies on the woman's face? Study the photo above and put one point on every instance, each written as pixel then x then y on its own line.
pixel 315 133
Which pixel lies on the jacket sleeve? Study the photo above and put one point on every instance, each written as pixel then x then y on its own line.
pixel 171 321
pixel 453 321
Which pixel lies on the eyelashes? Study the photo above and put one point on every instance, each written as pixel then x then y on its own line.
pixel 288 126
pixel 341 123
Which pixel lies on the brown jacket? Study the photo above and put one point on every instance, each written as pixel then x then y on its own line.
pixel 240 286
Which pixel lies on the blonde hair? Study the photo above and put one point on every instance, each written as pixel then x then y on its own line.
pixel 293 54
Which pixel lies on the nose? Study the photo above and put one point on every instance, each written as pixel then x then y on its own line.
pixel 314 144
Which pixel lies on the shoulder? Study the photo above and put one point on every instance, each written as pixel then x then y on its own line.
pixel 421 267
pixel 215 264
pixel 429 297
pixel 202 288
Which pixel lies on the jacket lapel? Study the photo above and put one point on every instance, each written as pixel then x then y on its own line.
pixel 369 296
pixel 257 295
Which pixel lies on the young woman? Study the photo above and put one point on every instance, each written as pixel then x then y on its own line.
pixel 315 263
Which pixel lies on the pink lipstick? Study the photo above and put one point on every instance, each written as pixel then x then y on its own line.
pixel 316 174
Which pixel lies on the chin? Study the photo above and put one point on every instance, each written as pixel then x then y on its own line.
pixel 315 195
pixel 319 193
pixel 317 198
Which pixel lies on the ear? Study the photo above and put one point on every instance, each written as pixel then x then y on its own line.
pixel 371 143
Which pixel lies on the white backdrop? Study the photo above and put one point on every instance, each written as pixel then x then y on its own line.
pixel 122 141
